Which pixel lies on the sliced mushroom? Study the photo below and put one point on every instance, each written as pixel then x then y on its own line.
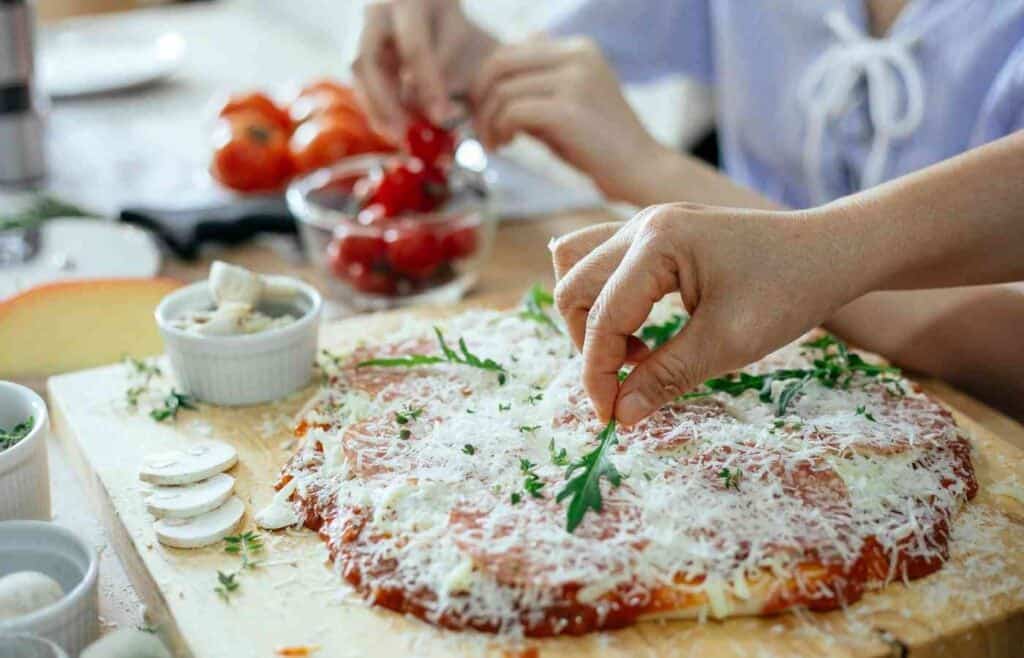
pixel 194 463
pixel 187 501
pixel 201 530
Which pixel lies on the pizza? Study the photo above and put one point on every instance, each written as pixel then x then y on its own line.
pixel 457 473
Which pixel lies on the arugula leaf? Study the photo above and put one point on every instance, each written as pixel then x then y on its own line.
pixel 466 358
pixel 534 303
pixel 10 438
pixel 469 449
pixel 585 489
pixel 862 411
pixel 730 479
pixel 173 403
pixel 789 393
pixel 659 334
pixel 410 361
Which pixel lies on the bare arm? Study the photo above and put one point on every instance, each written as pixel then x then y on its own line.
pixel 755 280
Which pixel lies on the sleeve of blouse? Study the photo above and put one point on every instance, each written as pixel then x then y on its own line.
pixel 646 39
pixel 1003 109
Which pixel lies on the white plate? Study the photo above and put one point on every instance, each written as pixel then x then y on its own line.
pixel 76 248
pixel 82 58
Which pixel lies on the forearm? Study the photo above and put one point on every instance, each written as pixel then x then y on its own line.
pixel 670 176
pixel 960 222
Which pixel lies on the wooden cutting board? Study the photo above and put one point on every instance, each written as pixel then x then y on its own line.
pixel 972 608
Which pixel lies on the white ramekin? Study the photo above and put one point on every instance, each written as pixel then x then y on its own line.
pixel 247 369
pixel 73 621
pixel 30 646
pixel 24 476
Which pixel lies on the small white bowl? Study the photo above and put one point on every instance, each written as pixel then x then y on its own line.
pixel 73 621
pixel 246 369
pixel 24 476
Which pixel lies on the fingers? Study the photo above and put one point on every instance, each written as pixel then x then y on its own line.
pixel 576 292
pixel 507 91
pixel 511 60
pixel 645 274
pixel 569 249
pixel 412 34
pixel 678 366
pixel 376 77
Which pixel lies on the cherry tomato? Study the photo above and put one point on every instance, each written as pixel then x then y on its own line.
pixel 459 242
pixel 413 249
pixel 400 189
pixel 324 141
pixel 428 142
pixel 251 153
pixel 366 279
pixel 434 183
pixel 347 249
pixel 257 102
pixel 372 215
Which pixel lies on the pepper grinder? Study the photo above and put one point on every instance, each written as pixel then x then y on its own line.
pixel 21 122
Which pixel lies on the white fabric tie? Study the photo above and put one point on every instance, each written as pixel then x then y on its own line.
pixel 828 88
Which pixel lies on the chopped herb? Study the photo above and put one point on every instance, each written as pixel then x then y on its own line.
pixel 408 413
pixel 558 457
pixel 469 449
pixel 533 484
pixel 648 476
pixel 525 465
pixel 659 334
pixel 528 428
pixel 584 490
pixel 516 498
pixel 778 422
pixel 463 357
pixel 534 398
pixel 42 208
pixel 405 433
pixel 731 479
pixel 534 302
pixel 623 374
pixel 862 411
pixel 504 406
pixel 12 437
pixel 173 403
pixel 470 411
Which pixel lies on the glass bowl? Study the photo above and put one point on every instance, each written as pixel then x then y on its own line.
pixel 373 263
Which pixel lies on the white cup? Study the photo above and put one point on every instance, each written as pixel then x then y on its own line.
pixel 24 476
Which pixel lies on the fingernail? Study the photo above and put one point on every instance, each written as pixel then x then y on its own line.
pixel 632 407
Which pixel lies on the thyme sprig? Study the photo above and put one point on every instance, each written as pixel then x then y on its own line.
pixel 173 403
pixel 584 490
pixel 140 368
pixel 246 545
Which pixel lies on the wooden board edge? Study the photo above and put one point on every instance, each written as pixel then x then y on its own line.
pixel 157 611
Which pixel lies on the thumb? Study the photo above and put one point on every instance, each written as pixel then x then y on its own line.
pixel 678 366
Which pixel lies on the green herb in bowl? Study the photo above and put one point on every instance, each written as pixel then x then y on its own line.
pixel 11 437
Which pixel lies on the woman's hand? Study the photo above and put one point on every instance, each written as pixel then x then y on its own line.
pixel 564 93
pixel 416 53
pixel 751 280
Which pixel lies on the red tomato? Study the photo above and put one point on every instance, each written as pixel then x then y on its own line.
pixel 369 280
pixel 321 97
pixel 257 102
pixel 434 183
pixel 400 189
pixel 413 249
pixel 372 215
pixel 459 243
pixel 345 250
pixel 251 153
pixel 324 141
pixel 428 142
